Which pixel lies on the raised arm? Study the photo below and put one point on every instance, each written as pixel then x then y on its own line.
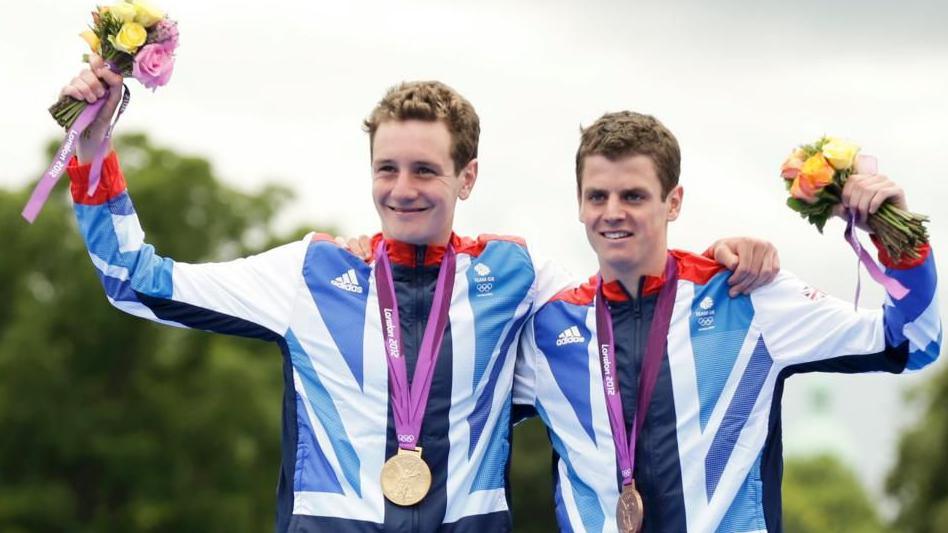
pixel 250 297
pixel 821 333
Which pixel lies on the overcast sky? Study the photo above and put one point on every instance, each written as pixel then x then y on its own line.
pixel 277 92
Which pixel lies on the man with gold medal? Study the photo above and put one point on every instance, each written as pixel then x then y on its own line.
pixel 660 388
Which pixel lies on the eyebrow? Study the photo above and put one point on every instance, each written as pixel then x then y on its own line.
pixel 418 163
pixel 639 190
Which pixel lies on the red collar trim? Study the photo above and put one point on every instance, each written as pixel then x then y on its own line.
pixel 694 268
pixel 403 253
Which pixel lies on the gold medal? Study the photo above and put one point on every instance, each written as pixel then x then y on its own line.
pixel 405 477
pixel 630 511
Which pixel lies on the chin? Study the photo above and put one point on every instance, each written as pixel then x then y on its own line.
pixel 408 235
pixel 617 260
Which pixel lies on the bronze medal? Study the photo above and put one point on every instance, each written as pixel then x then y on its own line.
pixel 405 477
pixel 630 511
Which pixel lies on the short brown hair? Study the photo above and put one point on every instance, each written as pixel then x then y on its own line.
pixel 431 101
pixel 622 134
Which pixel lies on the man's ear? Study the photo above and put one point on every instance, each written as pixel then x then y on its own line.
pixel 674 200
pixel 468 177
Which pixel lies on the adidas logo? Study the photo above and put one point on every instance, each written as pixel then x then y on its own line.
pixel 348 282
pixel 481 269
pixel 569 335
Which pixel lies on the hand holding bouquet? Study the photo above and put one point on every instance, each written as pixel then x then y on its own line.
pixel 816 175
pixel 136 40
pixel 132 39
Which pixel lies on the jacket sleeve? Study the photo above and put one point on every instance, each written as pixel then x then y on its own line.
pixel 810 331
pixel 250 297
pixel 524 384
pixel 551 279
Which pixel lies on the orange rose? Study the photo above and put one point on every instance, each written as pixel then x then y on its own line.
pixel 815 174
pixel 791 167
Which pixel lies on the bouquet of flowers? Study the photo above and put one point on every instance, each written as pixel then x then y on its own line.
pixel 136 40
pixel 815 174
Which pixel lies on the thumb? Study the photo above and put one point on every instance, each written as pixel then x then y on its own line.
pixel 866 164
pixel 839 210
pixel 724 255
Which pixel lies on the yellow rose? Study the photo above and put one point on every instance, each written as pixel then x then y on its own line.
pixel 129 38
pixel 840 153
pixel 92 40
pixel 146 14
pixel 123 11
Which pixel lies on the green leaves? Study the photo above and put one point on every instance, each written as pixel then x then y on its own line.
pixel 821 494
pixel 816 214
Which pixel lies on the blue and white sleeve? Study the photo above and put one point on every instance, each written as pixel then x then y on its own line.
pixel 250 297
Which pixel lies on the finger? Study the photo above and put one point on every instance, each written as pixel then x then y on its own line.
pixel 93 82
pixel 880 196
pixel 854 193
pixel 96 61
pixel 866 164
pixel 85 92
pixel 71 91
pixel 767 272
pixel 744 268
pixel 366 243
pixel 862 203
pixel 112 79
pixel 340 242
pixel 753 262
pixel 852 184
pixel 857 184
pixel 353 246
pixel 727 258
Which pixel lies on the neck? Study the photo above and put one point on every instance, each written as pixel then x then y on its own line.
pixel 630 275
pixel 441 240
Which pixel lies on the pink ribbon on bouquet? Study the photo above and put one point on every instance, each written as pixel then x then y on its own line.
pixel 891 285
pixel 66 149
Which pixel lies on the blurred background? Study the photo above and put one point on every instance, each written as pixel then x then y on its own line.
pixel 108 423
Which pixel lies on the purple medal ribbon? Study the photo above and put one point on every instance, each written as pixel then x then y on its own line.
pixel 891 285
pixel 409 402
pixel 654 353
pixel 66 149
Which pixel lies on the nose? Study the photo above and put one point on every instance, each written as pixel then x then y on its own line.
pixel 403 190
pixel 613 212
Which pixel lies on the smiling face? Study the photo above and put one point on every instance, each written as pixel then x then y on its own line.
pixel 625 214
pixel 414 183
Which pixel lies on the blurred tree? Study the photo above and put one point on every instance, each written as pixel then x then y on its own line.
pixel 531 479
pixel 110 423
pixel 919 479
pixel 821 495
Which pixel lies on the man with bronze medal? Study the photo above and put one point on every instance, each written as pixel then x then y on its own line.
pixel 630 510
pixel 659 387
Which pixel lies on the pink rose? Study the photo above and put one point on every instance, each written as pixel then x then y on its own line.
pixel 154 64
